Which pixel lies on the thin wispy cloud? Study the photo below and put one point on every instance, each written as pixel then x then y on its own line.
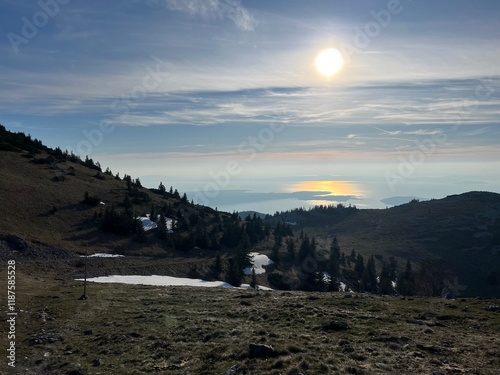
pixel 227 70
pixel 216 9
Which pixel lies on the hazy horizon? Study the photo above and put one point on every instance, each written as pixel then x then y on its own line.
pixel 226 100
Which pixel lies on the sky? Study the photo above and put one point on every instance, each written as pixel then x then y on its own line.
pixel 222 99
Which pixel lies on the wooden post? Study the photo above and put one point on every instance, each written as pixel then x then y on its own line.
pixel 84 295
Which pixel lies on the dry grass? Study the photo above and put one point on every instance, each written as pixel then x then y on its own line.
pixel 177 330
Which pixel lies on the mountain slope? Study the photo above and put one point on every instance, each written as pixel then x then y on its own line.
pixel 42 200
pixel 462 230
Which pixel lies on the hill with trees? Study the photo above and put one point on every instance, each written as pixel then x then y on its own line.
pixel 57 206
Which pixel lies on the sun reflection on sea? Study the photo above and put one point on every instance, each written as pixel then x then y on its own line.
pixel 333 187
pixel 328 188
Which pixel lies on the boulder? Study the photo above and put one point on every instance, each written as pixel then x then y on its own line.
pixel 261 351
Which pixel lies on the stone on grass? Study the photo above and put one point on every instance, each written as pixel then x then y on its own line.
pixel 260 351
pixel 334 326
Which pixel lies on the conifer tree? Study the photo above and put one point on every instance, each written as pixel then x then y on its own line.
pixel 359 267
pixel 369 277
pixel 162 227
pixel 385 284
pixel 235 273
pixel 304 250
pixel 406 281
pixel 152 214
pixel 290 247
pixel 253 283
pixel 218 265
pixel 162 188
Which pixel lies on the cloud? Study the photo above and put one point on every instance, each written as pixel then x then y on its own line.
pixel 216 9
pixel 478 131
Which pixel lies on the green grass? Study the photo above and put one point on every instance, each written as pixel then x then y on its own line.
pixel 182 330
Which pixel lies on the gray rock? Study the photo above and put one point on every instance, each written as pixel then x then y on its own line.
pixel 348 349
pixel 236 370
pixel 261 351
pixel 334 326
pixel 97 363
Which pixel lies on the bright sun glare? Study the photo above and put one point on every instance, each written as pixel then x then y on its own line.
pixel 329 62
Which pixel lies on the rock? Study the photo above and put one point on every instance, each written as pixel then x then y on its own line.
pixel 348 349
pixel 493 308
pixel 235 370
pixel 413 321
pixel 261 351
pixel 75 369
pixel 428 348
pixel 97 363
pixel 418 354
pixel 334 326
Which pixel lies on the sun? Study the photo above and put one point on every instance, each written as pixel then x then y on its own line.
pixel 329 62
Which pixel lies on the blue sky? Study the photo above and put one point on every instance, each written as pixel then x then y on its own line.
pixel 222 99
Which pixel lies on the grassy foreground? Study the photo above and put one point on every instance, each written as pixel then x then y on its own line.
pixel 124 329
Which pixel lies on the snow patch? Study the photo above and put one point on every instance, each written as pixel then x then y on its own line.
pixel 166 281
pixel 258 263
pixel 148 224
pixel 103 255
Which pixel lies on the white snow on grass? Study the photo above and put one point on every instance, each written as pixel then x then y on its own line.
pixel 148 224
pixel 103 255
pixel 165 281
pixel 258 261
pixel 342 288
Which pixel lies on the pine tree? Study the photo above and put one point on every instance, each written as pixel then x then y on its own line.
pixel 304 250
pixel 406 281
pixel 359 267
pixel 162 188
pixel 243 257
pixel 335 257
pixel 152 214
pixel 140 233
pixel 253 283
pixel 184 198
pixel 162 227
pixel 235 273
pixel 217 265
pixel 276 253
pixel 385 284
pixel 393 268
pixel 290 247
pixel 371 278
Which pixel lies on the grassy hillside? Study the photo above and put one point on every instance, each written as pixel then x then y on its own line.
pixel 42 199
pixel 123 329
pixel 462 230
